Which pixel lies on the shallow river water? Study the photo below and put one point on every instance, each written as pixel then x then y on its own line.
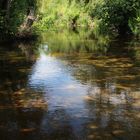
pixel 69 86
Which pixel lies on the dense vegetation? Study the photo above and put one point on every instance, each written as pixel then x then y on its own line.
pixel 13 14
pixel 120 16
pixel 102 16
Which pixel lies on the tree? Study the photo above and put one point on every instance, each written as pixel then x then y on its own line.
pixel 117 14
pixel 13 13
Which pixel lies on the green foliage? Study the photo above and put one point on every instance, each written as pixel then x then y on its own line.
pixel 134 24
pixel 61 13
pixel 116 14
pixel 13 14
pixel 17 15
pixel 102 15
pixel 69 42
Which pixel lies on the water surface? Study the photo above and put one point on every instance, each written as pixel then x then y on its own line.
pixel 69 86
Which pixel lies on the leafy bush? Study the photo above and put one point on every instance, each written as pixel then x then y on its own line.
pixel 103 15
pixel 116 14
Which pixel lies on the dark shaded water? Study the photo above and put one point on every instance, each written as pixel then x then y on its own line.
pixel 67 86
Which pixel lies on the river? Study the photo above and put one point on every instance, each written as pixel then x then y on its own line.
pixel 70 86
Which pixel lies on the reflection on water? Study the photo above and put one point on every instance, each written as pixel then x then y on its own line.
pixel 68 86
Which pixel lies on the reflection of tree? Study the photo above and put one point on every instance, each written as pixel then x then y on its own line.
pixel 118 121
pixel 23 112
pixel 21 124
pixel 14 68
pixel 113 95
pixel 112 100
pixel 56 125
pixel 37 124
pixel 72 43
pixel 134 48
pixel 14 101
pixel 29 50
pixel 113 73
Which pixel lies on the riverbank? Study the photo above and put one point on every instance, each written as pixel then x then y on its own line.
pixel 22 37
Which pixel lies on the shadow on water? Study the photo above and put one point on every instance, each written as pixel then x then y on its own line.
pixel 69 86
